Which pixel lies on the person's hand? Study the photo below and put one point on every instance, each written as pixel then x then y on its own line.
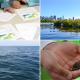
pixel 50 62
pixel 9 9
pixel 15 4
pixel 24 1
pixel 59 58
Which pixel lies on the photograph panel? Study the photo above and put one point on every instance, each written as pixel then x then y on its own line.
pixel 59 19
pixel 60 59
pixel 19 60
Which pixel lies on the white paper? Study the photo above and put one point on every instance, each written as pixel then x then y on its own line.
pixel 6 16
pixel 39 37
pixel 27 30
pixel 28 13
pixel 8 32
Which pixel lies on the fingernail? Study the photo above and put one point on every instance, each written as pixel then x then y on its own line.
pixel 69 76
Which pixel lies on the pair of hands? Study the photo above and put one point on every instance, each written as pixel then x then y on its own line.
pixel 58 60
pixel 14 4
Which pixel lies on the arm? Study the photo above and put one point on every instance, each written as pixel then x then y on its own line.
pixel 33 2
pixel 5 4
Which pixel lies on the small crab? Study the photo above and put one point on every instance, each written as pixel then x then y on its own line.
pixel 76 66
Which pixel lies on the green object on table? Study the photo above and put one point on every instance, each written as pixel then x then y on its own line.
pixel 45 75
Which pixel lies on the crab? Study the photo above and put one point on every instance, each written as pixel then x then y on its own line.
pixel 76 66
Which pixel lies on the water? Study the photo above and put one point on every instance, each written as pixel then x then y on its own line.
pixel 19 63
pixel 50 32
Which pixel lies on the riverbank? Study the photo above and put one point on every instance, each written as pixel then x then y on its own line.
pixel 66 23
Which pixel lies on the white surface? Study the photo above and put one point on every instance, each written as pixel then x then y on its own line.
pixel 39 37
pixel 27 12
pixel 43 43
pixel 6 16
pixel 27 30
pixel 7 29
pixel 18 20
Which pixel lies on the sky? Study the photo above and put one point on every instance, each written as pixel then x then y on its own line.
pixel 66 8
pixel 19 43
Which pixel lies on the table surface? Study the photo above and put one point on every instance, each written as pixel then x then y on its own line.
pixel 18 20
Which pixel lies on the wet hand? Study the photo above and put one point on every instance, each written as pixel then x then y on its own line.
pixel 50 63
pixel 67 54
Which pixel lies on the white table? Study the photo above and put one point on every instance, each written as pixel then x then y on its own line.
pixel 17 20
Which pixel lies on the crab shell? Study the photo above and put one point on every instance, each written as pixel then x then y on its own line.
pixel 76 66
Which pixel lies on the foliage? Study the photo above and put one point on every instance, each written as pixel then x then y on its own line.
pixel 45 20
pixel 66 23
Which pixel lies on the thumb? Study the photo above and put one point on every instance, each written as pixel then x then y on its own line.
pixel 62 71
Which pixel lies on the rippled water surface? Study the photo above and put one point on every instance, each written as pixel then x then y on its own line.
pixel 19 63
pixel 48 31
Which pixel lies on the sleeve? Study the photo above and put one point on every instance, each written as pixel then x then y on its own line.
pixel 43 43
pixel 33 2
pixel 6 4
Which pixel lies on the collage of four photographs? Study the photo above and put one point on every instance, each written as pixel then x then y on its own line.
pixel 39 40
pixel 19 39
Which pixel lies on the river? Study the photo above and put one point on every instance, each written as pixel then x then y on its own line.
pixel 49 32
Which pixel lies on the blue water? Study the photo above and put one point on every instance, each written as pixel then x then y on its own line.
pixel 19 63
pixel 49 33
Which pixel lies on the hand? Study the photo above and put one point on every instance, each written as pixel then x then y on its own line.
pixel 9 9
pixel 59 58
pixel 15 4
pixel 24 1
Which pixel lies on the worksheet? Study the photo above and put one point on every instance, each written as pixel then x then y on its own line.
pixel 27 30
pixel 28 13
pixel 6 16
pixel 39 37
pixel 8 32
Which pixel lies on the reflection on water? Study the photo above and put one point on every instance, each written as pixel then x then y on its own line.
pixel 61 26
pixel 49 31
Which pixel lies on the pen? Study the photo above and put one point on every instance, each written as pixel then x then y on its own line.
pixel 8 10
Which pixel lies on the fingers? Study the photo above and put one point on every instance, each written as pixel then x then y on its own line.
pixel 15 4
pixel 12 12
pixel 9 9
pixel 5 10
pixel 60 70
pixel 61 74
pixel 75 74
pixel 55 76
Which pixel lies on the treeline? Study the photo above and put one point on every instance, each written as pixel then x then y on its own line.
pixel 47 21
pixel 66 23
